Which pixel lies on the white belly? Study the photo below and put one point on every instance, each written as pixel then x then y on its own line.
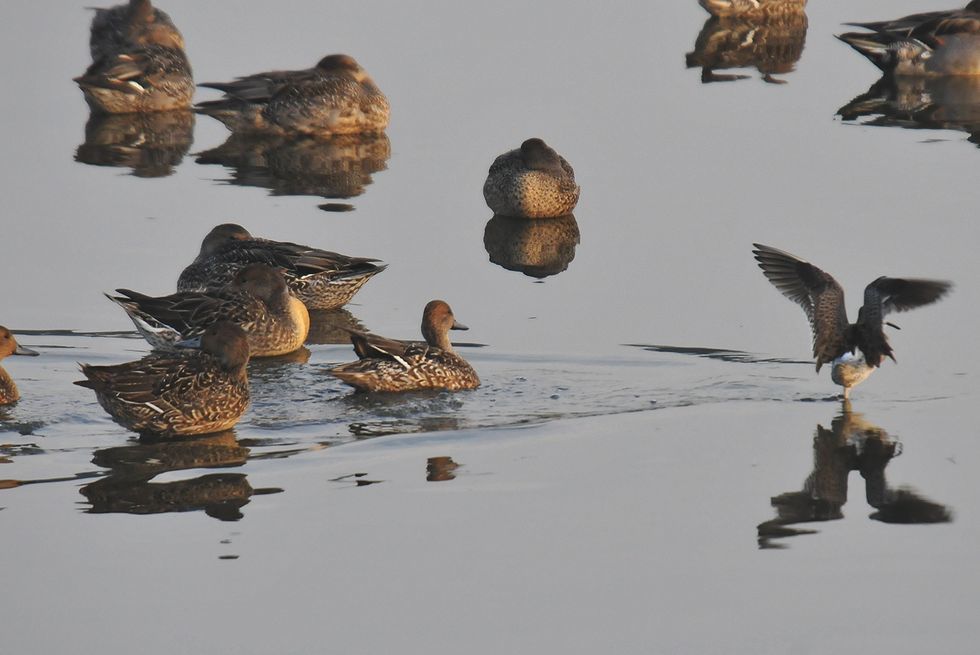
pixel 850 370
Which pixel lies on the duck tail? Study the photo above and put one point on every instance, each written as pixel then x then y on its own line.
pixel 873 47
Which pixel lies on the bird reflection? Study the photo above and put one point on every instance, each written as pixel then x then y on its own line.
pixel 338 167
pixel 769 42
pixel 152 144
pixel 537 247
pixel 851 444
pixel 947 103
pixel 332 326
pixel 440 469
pixel 128 488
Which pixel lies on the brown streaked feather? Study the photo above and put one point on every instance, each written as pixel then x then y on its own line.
pixel 371 345
pixel 817 292
pixel 391 365
pixel 320 278
pixel 187 392
pixel 191 313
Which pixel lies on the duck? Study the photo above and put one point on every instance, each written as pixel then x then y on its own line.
pixel 752 9
pixel 197 390
pixel 9 346
pixel 390 365
pixel 532 181
pixel 321 279
pixel 928 44
pixel 336 96
pixel 135 24
pixel 257 300
pixel 144 79
pixel 854 350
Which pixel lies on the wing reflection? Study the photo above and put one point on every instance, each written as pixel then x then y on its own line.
pixel 770 43
pixel 537 247
pixel 946 103
pixel 129 488
pixel 852 444
pixel 338 167
pixel 152 144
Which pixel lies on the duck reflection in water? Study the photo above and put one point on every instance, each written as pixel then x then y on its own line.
pixel 151 144
pixel 930 103
pixel 129 489
pixel 851 444
pixel 336 167
pixel 767 36
pixel 440 469
pixel 537 247
pixel 332 326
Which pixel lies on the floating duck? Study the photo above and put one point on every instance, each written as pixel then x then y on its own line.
pixel 133 25
pixel 321 279
pixel 334 97
pixel 257 300
pixel 178 393
pixel 532 181
pixel 390 365
pixel 9 346
pixel 926 44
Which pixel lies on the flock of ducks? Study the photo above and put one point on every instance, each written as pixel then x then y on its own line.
pixel 770 35
pixel 245 296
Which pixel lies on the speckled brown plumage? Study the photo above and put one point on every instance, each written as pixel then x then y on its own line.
pixel 321 279
pixel 257 300
pixel 9 346
pixel 532 181
pixel 150 78
pixel 336 96
pixel 752 9
pixel 179 393
pixel 133 25
pixel 390 365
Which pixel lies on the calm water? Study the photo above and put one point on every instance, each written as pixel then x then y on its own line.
pixel 651 464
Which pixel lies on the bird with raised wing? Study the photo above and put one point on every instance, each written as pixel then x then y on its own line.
pixel 855 350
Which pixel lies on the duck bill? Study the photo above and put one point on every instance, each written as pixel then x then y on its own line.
pixel 21 350
pixel 458 326
pixel 194 342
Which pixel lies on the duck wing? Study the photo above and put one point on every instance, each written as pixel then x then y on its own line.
pixel 817 292
pixel 261 87
pixel 372 346
pixel 190 313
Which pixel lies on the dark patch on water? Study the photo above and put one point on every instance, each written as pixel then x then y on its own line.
pixel 721 354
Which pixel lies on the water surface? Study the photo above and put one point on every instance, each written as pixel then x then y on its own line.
pixel 651 464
